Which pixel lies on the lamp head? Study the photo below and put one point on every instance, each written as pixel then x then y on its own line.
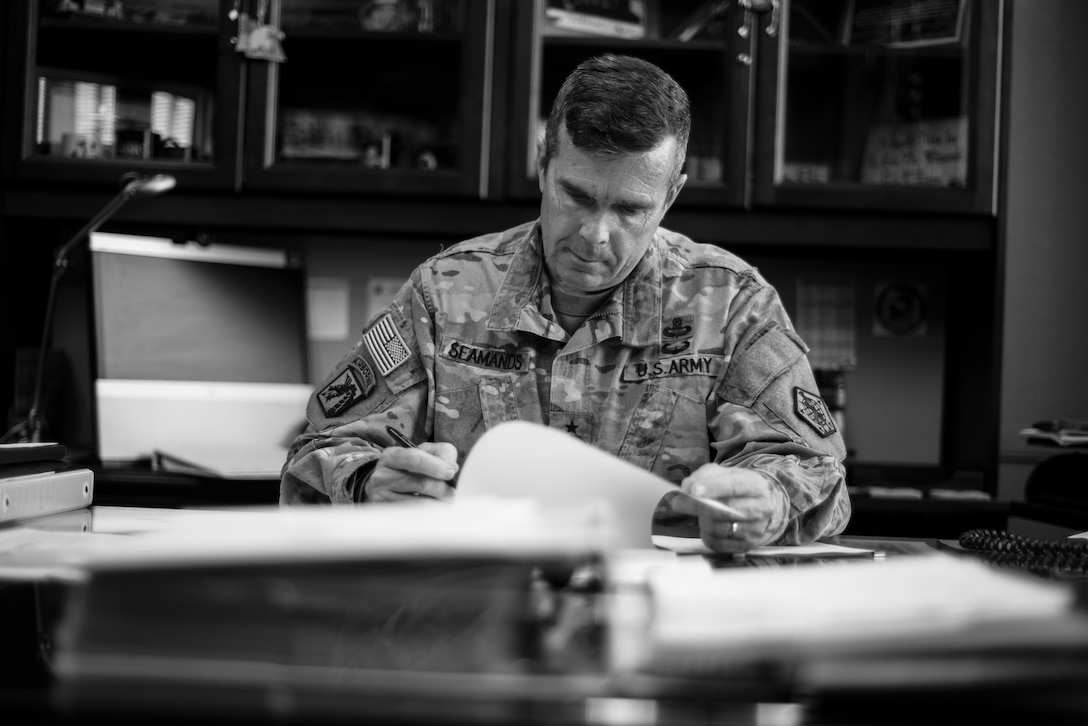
pixel 135 185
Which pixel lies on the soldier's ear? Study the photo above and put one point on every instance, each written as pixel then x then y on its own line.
pixel 674 191
pixel 541 165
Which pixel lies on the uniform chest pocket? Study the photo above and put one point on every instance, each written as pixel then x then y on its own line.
pixel 667 433
pixel 645 435
pixel 463 414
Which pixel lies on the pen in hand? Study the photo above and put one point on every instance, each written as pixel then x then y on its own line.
pixel 404 441
pixel 400 438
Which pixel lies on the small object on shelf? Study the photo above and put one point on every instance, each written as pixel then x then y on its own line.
pixel 265 43
pixel 1060 431
pixel 392 16
pixel 62 7
pixel 94 7
pixel 618 18
pixel 133 144
pixel 80 146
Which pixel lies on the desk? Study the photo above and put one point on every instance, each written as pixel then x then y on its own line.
pixel 582 691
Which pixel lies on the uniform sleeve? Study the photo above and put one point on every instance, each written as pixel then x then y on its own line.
pixel 384 380
pixel 770 418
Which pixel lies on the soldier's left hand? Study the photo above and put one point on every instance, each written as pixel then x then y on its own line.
pixel 761 501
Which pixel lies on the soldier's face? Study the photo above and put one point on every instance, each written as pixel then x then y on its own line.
pixel 598 214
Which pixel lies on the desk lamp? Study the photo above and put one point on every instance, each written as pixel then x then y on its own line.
pixel 133 186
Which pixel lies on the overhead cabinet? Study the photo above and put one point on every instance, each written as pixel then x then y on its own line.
pixel 836 104
pixel 818 104
pixel 309 95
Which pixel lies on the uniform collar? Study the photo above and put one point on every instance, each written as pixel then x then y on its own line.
pixel 633 313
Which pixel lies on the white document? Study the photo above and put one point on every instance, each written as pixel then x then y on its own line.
pixel 698 617
pixel 693 546
pixel 524 460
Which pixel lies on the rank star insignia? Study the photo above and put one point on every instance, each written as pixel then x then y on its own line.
pixel 572 429
pixel 813 410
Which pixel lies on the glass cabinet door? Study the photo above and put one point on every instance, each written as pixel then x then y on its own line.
pixel 115 86
pixel 879 104
pixel 704 44
pixel 372 95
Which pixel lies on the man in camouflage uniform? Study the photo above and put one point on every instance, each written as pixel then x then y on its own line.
pixel 675 356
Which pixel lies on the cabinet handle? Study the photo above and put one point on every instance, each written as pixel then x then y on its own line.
pixel 776 15
pixel 760 6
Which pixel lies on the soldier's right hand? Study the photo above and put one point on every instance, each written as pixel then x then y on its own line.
pixel 422 471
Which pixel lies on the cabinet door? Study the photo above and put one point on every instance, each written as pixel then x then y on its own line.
pixel 878 104
pixel 111 87
pixel 703 44
pixel 373 95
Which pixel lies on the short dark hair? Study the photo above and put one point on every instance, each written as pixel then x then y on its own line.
pixel 618 104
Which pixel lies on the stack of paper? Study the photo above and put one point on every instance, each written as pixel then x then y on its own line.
pixel 685 618
pixel 259 596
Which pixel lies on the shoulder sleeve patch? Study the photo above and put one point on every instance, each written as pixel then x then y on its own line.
pixel 812 409
pixel 356 381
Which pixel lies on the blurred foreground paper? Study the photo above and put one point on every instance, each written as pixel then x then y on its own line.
pixel 269 534
pixel 524 460
pixel 857 623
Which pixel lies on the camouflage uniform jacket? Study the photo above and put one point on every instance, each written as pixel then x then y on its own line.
pixel 693 358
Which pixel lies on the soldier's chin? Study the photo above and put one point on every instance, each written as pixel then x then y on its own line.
pixel 580 283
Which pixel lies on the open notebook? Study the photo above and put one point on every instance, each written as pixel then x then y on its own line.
pixel 252 462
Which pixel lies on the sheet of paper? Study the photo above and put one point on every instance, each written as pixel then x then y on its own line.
pixel 328 305
pixel 524 460
pixel 927 595
pixel 693 546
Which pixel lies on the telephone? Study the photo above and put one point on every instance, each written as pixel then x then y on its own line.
pixel 1062 558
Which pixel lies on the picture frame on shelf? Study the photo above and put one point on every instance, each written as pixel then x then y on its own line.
pixel 133 143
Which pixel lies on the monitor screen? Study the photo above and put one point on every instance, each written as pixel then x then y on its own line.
pixel 166 311
pixel 199 349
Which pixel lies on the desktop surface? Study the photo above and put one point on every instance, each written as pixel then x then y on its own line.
pixel 571 686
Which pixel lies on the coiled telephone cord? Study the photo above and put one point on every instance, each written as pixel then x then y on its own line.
pixel 1056 558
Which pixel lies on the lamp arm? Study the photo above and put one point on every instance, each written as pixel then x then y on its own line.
pixel 60 264
pixel 60 257
pixel 135 185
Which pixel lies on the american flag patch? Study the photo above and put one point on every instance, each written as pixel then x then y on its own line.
pixel 386 346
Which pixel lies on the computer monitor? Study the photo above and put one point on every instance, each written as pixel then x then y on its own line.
pixel 200 352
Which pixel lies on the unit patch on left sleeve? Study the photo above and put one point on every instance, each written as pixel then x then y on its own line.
pixel 813 410
pixel 356 382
